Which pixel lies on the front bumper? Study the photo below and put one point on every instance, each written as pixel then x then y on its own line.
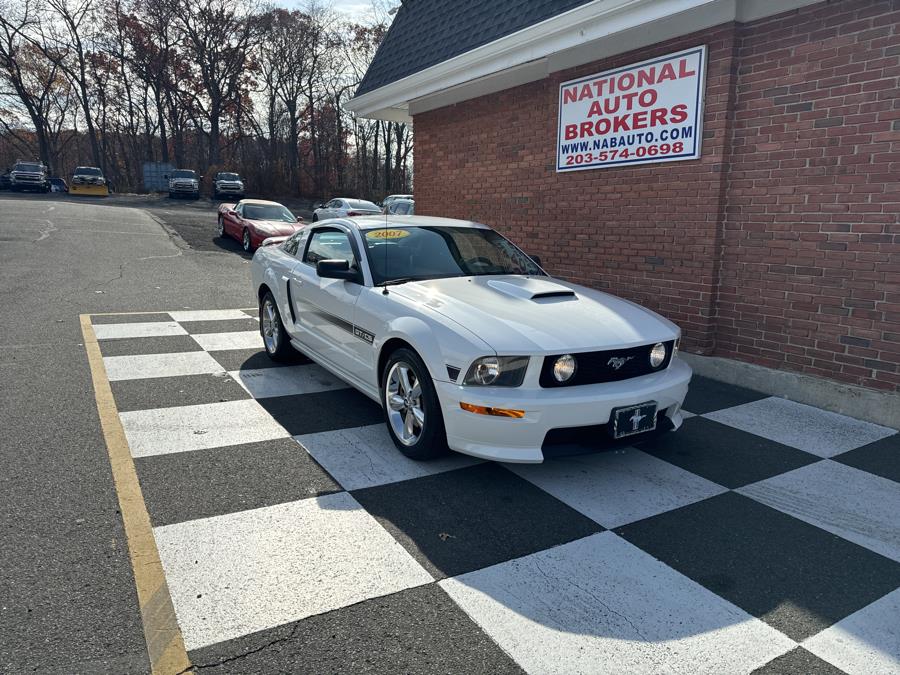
pixel 522 440
pixel 184 189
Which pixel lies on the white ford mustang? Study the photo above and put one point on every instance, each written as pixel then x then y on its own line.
pixel 464 340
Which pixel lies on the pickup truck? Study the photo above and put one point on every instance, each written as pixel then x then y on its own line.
pixel 29 176
pixel 184 183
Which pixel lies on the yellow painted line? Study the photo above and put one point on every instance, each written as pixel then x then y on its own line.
pixel 165 644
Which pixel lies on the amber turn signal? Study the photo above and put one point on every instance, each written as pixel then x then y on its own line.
pixel 495 412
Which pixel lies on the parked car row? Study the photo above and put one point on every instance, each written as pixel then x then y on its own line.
pixel 32 176
pixel 186 183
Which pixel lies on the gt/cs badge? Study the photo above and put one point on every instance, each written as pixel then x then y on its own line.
pixel 363 335
pixel 618 361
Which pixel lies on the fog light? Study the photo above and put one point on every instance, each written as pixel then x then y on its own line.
pixel 657 355
pixel 564 368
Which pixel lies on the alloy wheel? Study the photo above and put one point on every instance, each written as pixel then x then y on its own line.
pixel 403 400
pixel 270 326
pixel 246 240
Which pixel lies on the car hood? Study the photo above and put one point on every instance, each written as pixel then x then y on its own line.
pixel 277 227
pixel 229 182
pixel 533 315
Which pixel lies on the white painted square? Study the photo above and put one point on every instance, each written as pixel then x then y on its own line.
pixel 615 488
pixel 139 367
pixel 867 641
pixel 196 427
pixel 244 339
pixel 306 379
pixel 365 456
pixel 247 571
pixel 813 430
pixel 601 605
pixel 110 331
pixel 856 505
pixel 208 314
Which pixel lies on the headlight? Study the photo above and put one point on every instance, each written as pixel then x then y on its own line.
pixel 564 368
pixel 657 355
pixel 497 371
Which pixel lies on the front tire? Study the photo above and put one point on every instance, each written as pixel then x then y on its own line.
pixel 275 337
pixel 221 229
pixel 246 242
pixel 412 410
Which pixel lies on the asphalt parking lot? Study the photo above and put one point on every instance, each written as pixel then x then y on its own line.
pixel 288 535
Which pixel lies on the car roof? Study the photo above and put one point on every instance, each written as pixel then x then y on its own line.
pixel 87 167
pixel 260 202
pixel 375 222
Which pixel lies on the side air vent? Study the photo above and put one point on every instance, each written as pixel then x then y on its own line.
pixel 453 373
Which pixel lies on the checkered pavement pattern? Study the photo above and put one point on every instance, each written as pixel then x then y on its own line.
pixel 763 536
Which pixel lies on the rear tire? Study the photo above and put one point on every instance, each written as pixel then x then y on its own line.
pixel 276 341
pixel 412 411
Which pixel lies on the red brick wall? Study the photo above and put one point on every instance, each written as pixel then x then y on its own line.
pixel 810 275
pixel 775 247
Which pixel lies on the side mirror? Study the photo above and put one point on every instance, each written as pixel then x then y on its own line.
pixel 336 269
pixel 232 212
pixel 299 219
pixel 536 259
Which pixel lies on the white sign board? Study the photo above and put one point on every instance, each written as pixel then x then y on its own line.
pixel 642 113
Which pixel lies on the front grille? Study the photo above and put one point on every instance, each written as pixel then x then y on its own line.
pixel 595 367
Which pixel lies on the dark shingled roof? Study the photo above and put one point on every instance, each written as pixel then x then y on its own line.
pixel 427 32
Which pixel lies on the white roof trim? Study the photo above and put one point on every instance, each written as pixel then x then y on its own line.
pixel 581 35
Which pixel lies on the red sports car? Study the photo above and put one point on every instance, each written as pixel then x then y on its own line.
pixel 250 221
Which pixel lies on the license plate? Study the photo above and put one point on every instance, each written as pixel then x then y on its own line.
pixel 635 419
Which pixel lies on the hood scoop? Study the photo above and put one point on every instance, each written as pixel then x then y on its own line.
pixel 532 289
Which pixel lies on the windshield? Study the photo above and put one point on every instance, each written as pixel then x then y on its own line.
pixel 229 176
pixel 361 204
pixel 417 253
pixel 87 171
pixel 268 212
pixel 183 173
pixel 28 167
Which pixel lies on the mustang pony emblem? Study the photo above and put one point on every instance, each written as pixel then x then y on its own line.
pixel 618 361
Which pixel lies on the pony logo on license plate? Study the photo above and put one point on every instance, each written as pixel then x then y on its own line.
pixel 635 419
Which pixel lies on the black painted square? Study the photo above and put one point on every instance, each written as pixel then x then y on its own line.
pixel 220 326
pixel 464 520
pixel 881 458
pixel 167 344
pixel 705 395
pixel 323 411
pixel 792 575
pixel 202 483
pixel 419 630
pixel 252 359
pixel 723 454
pixel 168 392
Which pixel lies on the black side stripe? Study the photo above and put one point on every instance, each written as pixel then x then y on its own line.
pixel 356 331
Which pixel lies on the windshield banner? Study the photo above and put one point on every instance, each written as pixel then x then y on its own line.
pixel 643 113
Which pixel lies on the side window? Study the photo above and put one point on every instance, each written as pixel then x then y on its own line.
pixel 333 204
pixel 329 245
pixel 292 244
